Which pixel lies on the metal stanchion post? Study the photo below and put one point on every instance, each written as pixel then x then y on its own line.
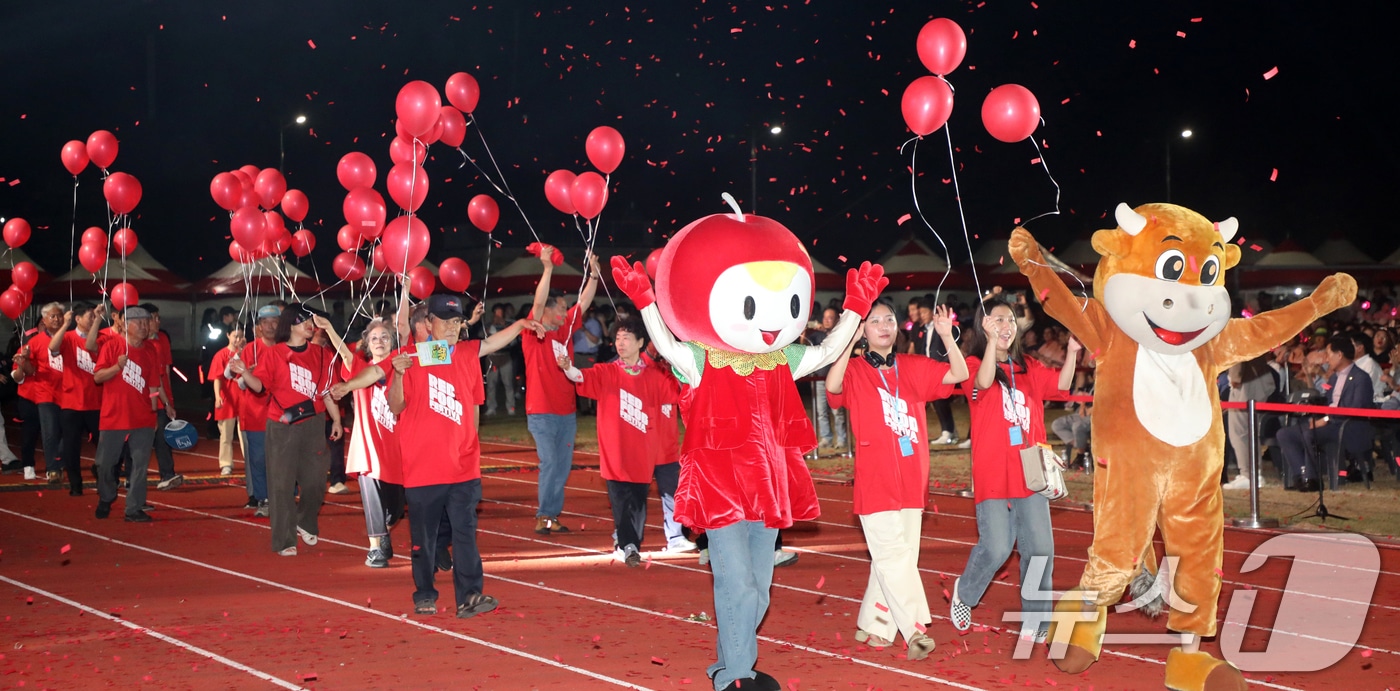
pixel 815 424
pixel 1254 521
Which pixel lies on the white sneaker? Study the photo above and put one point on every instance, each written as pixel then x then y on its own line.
pixel 29 473
pixel 339 488
pixel 704 557
pixel 965 444
pixel 225 471
pixel 309 538
pixel 1240 482
pixel 1035 634
pixel 944 438
pixel 782 557
pixel 289 552
pixel 681 545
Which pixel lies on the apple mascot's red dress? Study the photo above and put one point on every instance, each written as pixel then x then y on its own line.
pixel 733 293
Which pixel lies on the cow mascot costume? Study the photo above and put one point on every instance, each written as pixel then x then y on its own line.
pixel 1159 324
pixel 733 292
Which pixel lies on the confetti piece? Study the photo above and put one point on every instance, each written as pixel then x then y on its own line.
pixel 881 607
pixel 309 676
pixel 900 222
pixel 657 661
pixel 1271 73
pixel 1132 43
pixel 311 43
pixel 64 549
pixel 820 582
pixel 1273 177
pixel 1219 573
pixel 1181 34
pixel 1366 653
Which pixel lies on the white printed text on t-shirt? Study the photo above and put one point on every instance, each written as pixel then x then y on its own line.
pixel 630 410
pixel 442 399
pixel 897 416
pixel 302 382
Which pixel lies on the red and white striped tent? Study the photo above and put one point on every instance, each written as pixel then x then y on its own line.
pixel 518 277
pixel 263 277
pixel 14 256
pixel 150 278
pixel 1286 265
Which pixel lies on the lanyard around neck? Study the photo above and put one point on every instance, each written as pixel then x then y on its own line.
pixel 886 383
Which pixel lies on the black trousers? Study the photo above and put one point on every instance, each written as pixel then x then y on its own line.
pixel 165 460
pixel 78 425
pixel 426 508
pixel 336 447
pixel 944 409
pixel 629 508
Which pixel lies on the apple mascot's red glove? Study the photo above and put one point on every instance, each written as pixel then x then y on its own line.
pixel 536 248
pixel 863 285
pixel 634 282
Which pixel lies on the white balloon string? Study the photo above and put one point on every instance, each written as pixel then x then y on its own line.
pixel 957 192
pixel 504 183
pixel 72 238
pixel 914 192
pixel 1040 156
pixel 486 278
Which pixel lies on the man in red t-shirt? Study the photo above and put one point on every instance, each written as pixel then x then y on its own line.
pixel 40 378
pixel 550 411
pixel 128 370
pixel 76 345
pixel 226 400
pixel 252 411
pixel 632 441
pixel 165 459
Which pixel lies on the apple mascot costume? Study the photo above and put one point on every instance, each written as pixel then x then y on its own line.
pixel 733 293
pixel 1159 325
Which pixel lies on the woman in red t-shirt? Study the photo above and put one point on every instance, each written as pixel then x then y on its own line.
pixel 226 401
pixel 886 400
pixel 1007 401
pixel 296 374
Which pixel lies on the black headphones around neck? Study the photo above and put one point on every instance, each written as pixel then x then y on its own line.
pixel 877 360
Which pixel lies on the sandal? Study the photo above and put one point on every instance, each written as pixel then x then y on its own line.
pixel 920 645
pixel 477 603
pixel 870 639
pixel 425 607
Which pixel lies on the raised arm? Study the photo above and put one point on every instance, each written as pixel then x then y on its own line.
pixel 590 287
pixel 93 331
pixel 957 364
pixel 836 376
pixel 542 289
pixel 1246 339
pixel 987 369
pixel 633 282
pixel 863 285
pixel 401 316
pixel 367 377
pixel 56 342
pixel 502 338
pixel 1066 382
pixel 335 339
pixel 1080 315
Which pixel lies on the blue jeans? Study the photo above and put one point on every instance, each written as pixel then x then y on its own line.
pixel 554 442
pixel 741 558
pixel 1002 523
pixel 256 462
pixel 824 417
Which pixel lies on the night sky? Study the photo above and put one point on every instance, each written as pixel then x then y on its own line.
pixel 192 89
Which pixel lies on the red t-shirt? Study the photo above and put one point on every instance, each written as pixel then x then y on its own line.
pixel 373 448
pixel 126 398
pixel 162 344
pixel 632 440
pixel 79 391
pixel 292 376
pixel 438 442
pixel 996 462
pixel 252 406
pixel 48 371
pixel 229 387
pixel 547 390
pixel 885 405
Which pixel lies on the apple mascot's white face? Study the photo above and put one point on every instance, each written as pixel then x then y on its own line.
pixel 736 282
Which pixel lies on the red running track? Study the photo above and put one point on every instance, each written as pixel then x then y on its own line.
pixel 197 600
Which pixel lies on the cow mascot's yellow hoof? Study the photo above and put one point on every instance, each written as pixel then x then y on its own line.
pixel 1200 671
pixel 1085 639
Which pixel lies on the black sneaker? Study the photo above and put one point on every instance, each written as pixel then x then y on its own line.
pixel 444 560
pixel 11 467
pixel 104 509
pixel 138 517
pixel 171 482
pixel 376 559
pixel 252 503
pixel 75 492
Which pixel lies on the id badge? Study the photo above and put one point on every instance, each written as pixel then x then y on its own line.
pixel 906 446
pixel 1015 432
pixel 434 353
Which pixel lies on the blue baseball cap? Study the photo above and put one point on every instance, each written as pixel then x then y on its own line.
pixel 181 435
pixel 269 312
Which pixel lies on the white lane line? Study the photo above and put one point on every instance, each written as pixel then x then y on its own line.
pixel 154 634
pixel 997 582
pixel 331 600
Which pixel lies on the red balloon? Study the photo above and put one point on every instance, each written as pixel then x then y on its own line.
pixel 238 254
pixel 1010 113
pixel 123 192
pixel 589 194
pixel 454 127
pixel 243 179
pixel 483 212
pixel 348 267
pixel 248 226
pixel 25 276
pixel 124 295
pixel 17 232
pixel 251 171
pixel 455 274
pixel 226 190
pixel 558 189
pixel 13 302
pixel 376 258
pixel 303 241
pixel 407 150
pixel 355 170
pixel 348 239
pixel 408 186
pixel 942 45
pixel 275 222
pixel 463 92
pixel 927 103
pixel 74 156
pixel 405 243
pixel 433 134
pixel 653 260
pixel 421 282
pixel 249 197
pixel 605 148
pixel 364 210
pixel 399 130
pixel 94 236
pixel 278 239
pixel 125 242
pixel 294 204
pixel 270 187
pixel 102 148
pixel 92 256
pixel 418 106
